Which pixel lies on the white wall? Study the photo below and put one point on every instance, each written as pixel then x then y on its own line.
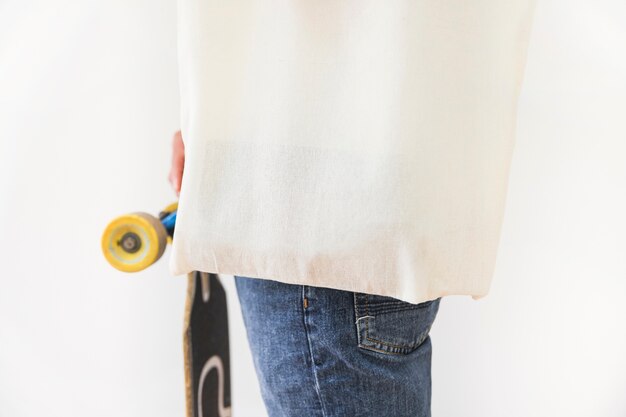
pixel 88 103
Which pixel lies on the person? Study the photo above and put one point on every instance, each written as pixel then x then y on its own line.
pixel 347 162
pixel 321 352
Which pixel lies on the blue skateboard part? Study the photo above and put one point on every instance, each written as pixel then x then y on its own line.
pixel 169 222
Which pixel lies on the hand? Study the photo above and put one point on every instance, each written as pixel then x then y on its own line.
pixel 178 162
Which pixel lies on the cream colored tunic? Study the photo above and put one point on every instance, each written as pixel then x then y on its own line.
pixel 362 145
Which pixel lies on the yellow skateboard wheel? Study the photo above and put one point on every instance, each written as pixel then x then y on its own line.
pixel 170 208
pixel 134 241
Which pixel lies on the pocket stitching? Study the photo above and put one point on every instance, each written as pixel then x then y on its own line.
pixel 402 348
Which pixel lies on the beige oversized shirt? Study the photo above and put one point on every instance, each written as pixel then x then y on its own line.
pixel 362 145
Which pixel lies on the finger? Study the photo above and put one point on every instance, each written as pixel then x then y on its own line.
pixel 177 142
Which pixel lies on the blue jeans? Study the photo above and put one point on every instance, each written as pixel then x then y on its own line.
pixel 322 352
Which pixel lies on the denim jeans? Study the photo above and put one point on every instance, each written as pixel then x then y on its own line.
pixel 322 352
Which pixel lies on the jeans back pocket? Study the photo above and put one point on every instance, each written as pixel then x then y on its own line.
pixel 388 325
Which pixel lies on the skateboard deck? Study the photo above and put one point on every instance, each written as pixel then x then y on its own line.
pixel 135 241
pixel 206 347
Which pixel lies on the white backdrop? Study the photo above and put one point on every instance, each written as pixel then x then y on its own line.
pixel 88 103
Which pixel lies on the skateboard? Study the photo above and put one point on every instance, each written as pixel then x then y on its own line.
pixel 131 243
